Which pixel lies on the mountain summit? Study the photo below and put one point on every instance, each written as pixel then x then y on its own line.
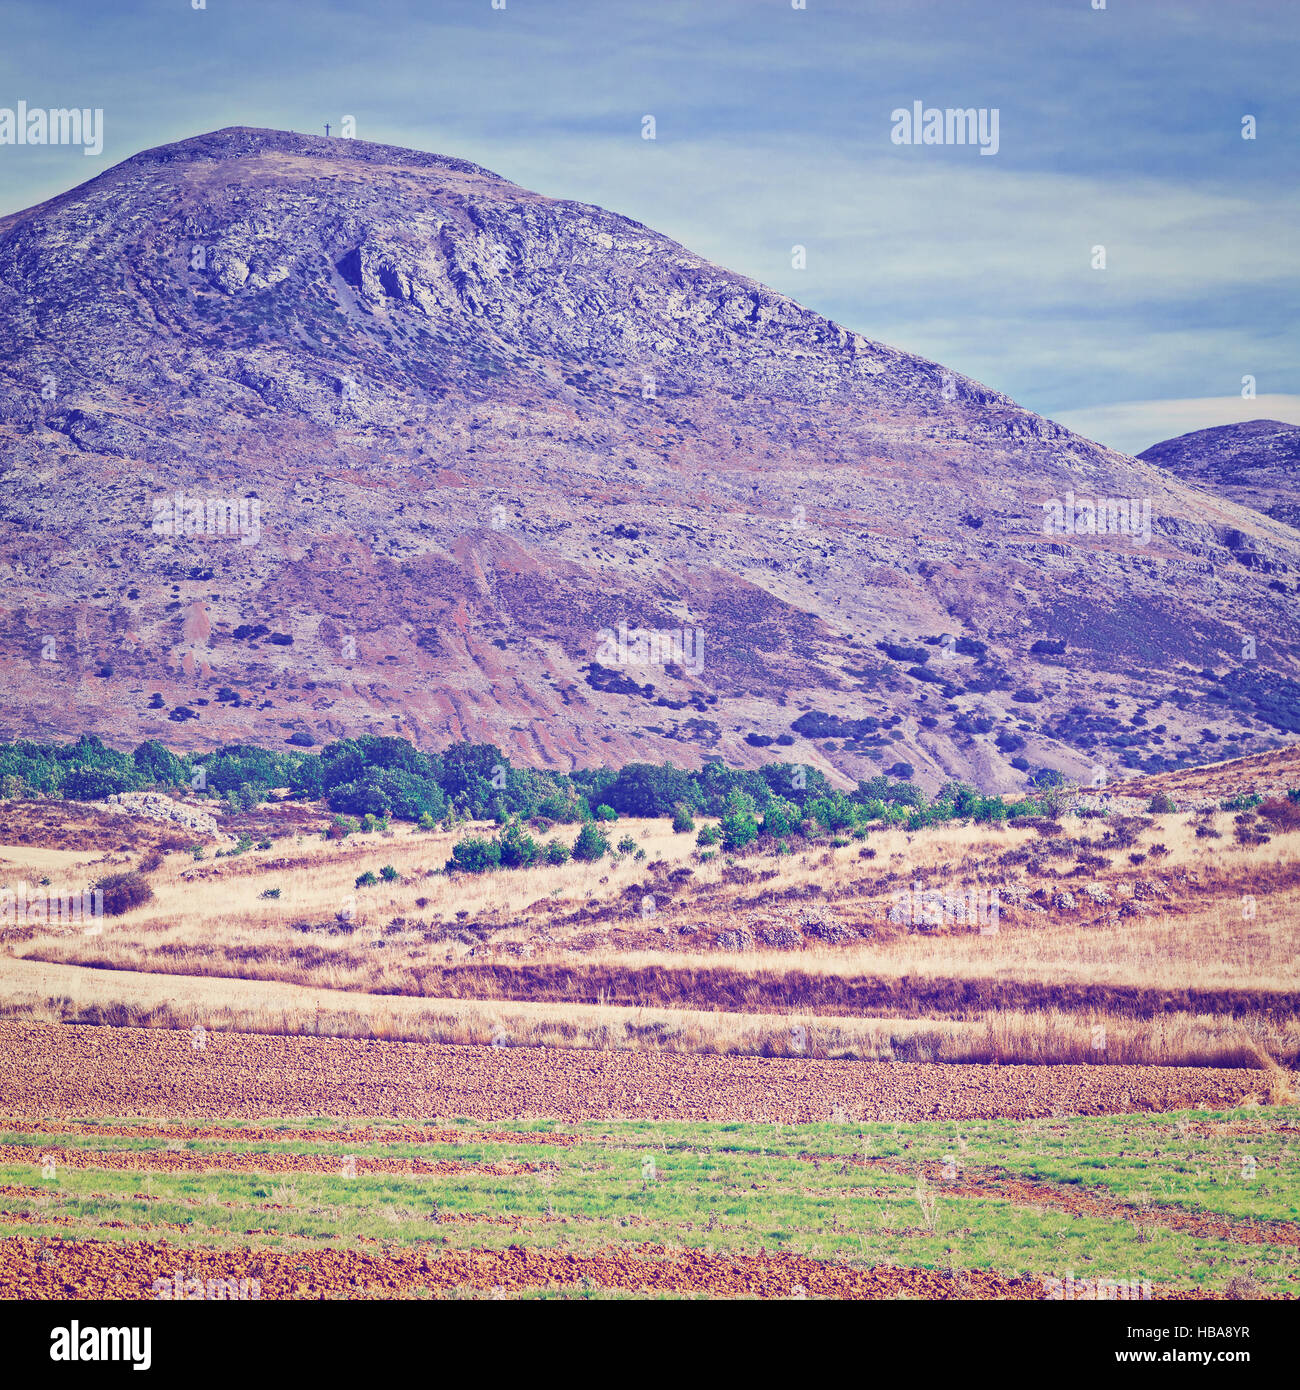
pixel 304 437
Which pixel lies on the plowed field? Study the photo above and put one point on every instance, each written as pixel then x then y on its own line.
pixel 60 1070
pixel 55 1268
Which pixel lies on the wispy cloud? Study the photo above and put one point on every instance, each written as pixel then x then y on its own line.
pixel 1119 128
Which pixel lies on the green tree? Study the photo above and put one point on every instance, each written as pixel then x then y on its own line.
pixel 739 826
pixel 781 818
pixel 518 848
pixel 157 764
pixel 642 789
pixel 95 783
pixel 590 845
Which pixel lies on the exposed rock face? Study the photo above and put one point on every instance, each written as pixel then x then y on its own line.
pixel 157 806
pixel 1256 464
pixel 446 435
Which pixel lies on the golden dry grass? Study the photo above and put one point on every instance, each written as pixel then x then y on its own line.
pixel 209 920
pixel 63 993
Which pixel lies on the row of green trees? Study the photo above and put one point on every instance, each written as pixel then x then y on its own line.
pixel 743 820
pixel 380 777
pixel 515 848
pixel 384 776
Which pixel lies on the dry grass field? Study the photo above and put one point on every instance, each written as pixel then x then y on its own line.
pixel 1121 968
pixel 1178 946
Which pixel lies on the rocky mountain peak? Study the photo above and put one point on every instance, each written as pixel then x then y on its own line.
pixel 413 441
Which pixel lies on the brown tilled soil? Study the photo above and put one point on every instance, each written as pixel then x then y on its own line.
pixel 52 1268
pixel 64 1070
pixel 257 1134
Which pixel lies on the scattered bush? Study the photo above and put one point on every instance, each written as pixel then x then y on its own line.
pixel 341 827
pixel 124 891
pixel 474 855
pixel 1280 814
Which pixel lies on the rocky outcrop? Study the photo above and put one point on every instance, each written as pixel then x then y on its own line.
pixel 159 807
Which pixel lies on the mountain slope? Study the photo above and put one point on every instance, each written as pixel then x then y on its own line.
pixel 1256 464
pixel 482 427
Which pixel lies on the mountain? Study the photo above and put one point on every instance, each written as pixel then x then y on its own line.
pixel 473 428
pixel 1256 464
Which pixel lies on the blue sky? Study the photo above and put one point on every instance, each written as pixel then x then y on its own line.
pixel 1118 127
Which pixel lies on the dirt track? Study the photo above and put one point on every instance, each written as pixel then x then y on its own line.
pixel 51 1268
pixel 1078 1201
pixel 63 1070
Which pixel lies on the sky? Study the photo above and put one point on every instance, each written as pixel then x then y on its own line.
pixel 1118 128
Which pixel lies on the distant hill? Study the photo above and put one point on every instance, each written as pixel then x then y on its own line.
pixel 1256 463
pixel 475 431
pixel 1264 774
